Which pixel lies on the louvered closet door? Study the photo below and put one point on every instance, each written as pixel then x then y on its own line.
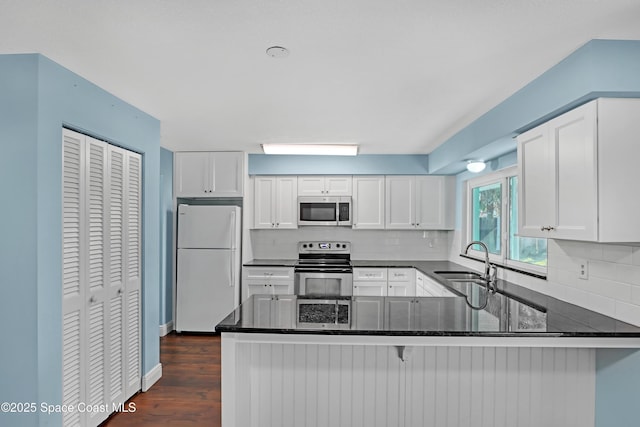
pixel 116 295
pixel 133 273
pixel 101 276
pixel 73 293
pixel 98 319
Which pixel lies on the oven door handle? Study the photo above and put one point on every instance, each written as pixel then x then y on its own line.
pixel 322 270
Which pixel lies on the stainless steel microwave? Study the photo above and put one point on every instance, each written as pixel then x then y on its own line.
pixel 326 211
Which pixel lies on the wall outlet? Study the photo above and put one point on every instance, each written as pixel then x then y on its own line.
pixel 583 269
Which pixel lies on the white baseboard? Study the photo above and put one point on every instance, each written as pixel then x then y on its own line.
pixel 166 328
pixel 152 377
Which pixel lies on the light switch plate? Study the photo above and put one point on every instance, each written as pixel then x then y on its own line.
pixel 583 269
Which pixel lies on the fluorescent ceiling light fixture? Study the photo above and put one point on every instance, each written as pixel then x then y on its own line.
pixel 312 149
pixel 476 166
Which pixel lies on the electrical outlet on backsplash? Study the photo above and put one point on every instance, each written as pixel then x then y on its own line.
pixel 365 244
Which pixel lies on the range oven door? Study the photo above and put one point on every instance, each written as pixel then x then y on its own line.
pixel 322 283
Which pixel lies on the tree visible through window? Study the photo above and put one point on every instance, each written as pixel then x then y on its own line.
pixel 487 214
pixel 490 195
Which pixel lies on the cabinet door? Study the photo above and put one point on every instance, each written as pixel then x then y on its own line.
pixel 284 312
pixel 435 197
pixel 311 186
pixel 264 202
pixel 372 289
pixel 192 177
pixel 368 202
pixel 226 174
pixel 401 289
pixel 574 141
pixel 368 313
pixel 401 282
pixel 399 313
pixel 286 206
pixel 338 185
pixel 262 310
pixel 400 202
pixel 536 183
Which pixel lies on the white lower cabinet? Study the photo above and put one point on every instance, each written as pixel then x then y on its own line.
pixel 427 287
pixel 401 282
pixel 101 277
pixel 274 311
pixel 370 282
pixel 367 313
pixel 267 281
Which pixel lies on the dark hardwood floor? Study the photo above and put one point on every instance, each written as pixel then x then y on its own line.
pixel 188 394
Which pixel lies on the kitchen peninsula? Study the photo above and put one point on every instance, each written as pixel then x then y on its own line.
pixel 526 359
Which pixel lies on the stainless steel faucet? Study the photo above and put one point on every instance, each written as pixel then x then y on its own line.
pixel 490 270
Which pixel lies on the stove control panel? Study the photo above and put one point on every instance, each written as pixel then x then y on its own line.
pixel 329 247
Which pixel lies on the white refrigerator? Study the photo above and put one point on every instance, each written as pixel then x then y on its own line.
pixel 208 267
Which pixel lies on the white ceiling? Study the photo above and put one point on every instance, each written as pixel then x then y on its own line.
pixel 396 76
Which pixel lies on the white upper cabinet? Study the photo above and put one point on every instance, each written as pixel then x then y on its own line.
pixel 275 202
pixel 368 202
pixel 575 172
pixel 324 185
pixel 209 174
pixel 419 202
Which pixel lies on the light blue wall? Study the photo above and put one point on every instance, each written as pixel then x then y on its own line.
pixel 166 236
pixel 599 68
pixel 18 231
pixel 37 98
pixel 617 388
pixel 262 164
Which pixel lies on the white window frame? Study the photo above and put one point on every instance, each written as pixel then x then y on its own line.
pixel 501 176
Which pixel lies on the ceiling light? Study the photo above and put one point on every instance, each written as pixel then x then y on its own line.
pixel 476 166
pixel 278 52
pixel 312 149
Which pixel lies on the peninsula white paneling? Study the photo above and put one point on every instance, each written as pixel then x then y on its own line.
pixel 315 385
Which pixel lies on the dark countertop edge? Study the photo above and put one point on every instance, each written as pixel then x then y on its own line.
pixel 603 335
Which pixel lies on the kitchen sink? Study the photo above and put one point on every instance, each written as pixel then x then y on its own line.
pixel 495 311
pixel 471 276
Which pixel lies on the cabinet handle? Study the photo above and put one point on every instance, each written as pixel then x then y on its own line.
pixel 92 300
pixel 551 228
pixel 277 224
pixel 120 291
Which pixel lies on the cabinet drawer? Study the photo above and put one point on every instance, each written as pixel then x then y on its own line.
pixel 271 273
pixel 371 274
pixel 401 274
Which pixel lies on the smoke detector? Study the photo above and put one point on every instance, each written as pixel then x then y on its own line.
pixel 278 52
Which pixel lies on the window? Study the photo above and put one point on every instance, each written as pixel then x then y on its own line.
pixel 493 220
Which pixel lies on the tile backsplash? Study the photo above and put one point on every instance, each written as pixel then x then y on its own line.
pixel 365 244
pixel 612 285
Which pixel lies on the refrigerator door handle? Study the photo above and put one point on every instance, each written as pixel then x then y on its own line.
pixel 232 278
pixel 232 258
pixel 234 244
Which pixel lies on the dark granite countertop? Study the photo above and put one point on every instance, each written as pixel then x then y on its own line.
pixel 514 311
